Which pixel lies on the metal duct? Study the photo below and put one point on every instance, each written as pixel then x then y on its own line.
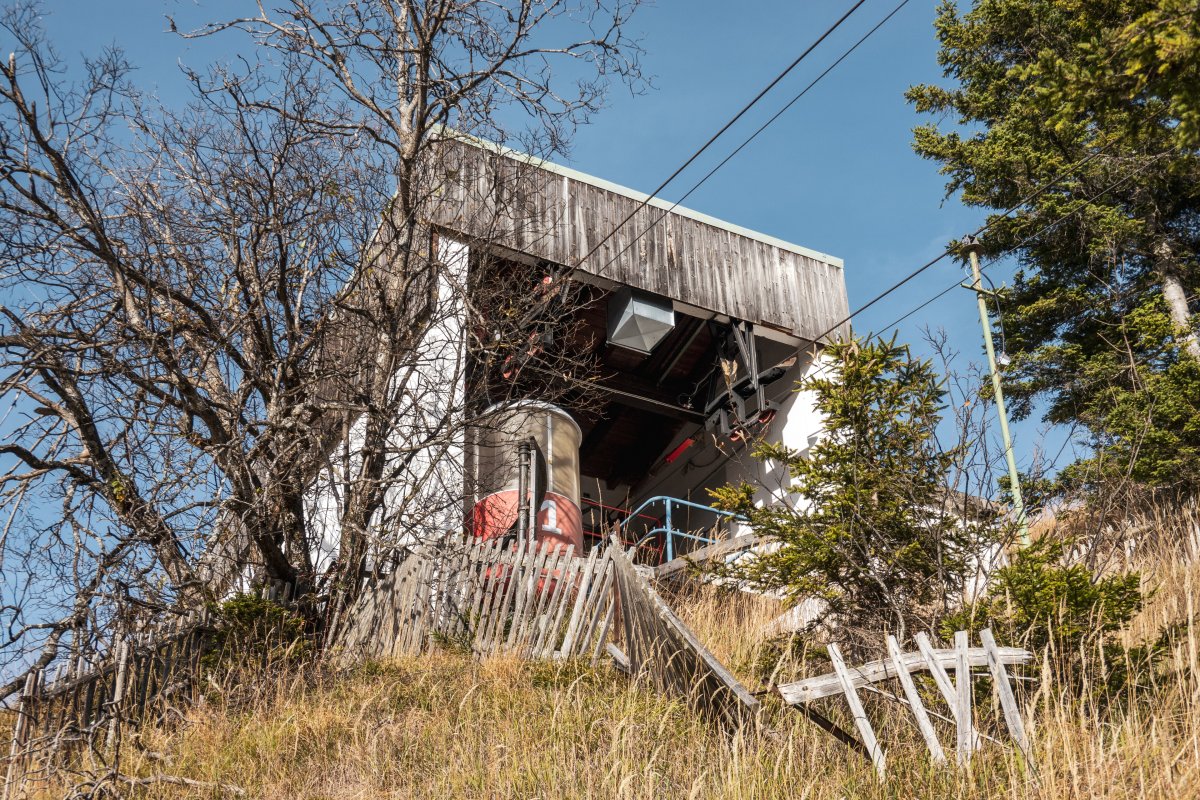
pixel 638 321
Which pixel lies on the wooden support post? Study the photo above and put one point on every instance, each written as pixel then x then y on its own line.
pixel 858 712
pixel 914 702
pixel 962 685
pixel 118 696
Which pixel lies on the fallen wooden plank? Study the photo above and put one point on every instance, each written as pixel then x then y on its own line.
pixel 865 731
pixel 620 660
pixel 809 689
pixel 679 566
pixel 914 702
pixel 1008 703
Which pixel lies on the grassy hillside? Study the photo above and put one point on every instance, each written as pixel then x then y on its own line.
pixel 446 726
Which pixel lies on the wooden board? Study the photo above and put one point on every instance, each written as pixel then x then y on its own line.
pixel 809 689
pixel 920 716
pixel 664 651
pixel 858 712
pixel 679 566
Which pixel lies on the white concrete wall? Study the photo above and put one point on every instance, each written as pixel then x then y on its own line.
pixel 797 425
pixel 713 463
pixel 424 492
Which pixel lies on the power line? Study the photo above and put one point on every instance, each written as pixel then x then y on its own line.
pixel 1029 197
pixel 754 135
pixel 995 259
pixel 723 129
pixel 747 140
pixel 948 251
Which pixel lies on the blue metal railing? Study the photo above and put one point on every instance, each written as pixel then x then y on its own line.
pixel 668 529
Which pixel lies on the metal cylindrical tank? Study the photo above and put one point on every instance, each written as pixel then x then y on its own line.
pixel 499 479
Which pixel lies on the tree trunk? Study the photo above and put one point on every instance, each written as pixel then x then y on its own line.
pixel 1166 265
pixel 1176 297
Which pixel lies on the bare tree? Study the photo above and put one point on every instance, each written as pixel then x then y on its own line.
pixel 218 317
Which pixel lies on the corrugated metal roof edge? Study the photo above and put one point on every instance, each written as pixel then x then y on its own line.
pixel 656 202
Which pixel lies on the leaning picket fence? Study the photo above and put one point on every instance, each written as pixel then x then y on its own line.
pixel 149 673
pixel 536 602
pixel 662 650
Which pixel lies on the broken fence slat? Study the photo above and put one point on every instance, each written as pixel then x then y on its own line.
pixel 809 689
pixel 620 660
pixel 1008 703
pixel 602 638
pixel 679 566
pixel 914 702
pixel 941 678
pixel 865 731
pixel 933 661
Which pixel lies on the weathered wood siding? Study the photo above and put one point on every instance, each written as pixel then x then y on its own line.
pixel 558 215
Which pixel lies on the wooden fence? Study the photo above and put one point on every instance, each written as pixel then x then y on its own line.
pixel 492 598
pixel 957 692
pixel 85 704
pixel 538 603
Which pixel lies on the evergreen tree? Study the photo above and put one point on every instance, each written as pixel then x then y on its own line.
pixel 872 531
pixel 1097 103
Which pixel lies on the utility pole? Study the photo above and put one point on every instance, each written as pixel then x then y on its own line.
pixel 971 245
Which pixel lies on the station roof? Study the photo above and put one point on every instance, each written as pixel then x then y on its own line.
pixel 557 214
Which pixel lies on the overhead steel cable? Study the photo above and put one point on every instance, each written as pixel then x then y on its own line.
pixel 995 259
pixel 949 251
pixel 712 139
pixel 755 135
pixel 991 262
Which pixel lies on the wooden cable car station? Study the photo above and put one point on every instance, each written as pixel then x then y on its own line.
pixel 699 329
pixel 694 331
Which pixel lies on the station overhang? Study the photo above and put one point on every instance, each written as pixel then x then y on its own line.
pixel 613 237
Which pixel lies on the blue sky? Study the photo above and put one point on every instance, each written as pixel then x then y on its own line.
pixel 836 173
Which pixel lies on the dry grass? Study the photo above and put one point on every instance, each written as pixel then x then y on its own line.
pixel 445 726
